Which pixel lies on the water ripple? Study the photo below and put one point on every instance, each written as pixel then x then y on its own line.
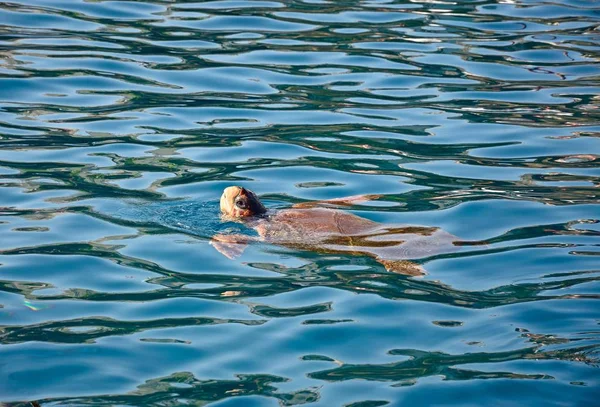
pixel 122 121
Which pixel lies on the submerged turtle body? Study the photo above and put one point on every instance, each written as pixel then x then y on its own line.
pixel 314 227
pixel 310 226
pixel 334 230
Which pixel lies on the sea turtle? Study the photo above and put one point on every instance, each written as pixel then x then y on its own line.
pixel 319 226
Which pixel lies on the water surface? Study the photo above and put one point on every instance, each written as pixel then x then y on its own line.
pixel 122 121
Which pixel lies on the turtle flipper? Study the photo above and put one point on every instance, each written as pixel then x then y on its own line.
pixel 348 201
pixel 408 268
pixel 230 246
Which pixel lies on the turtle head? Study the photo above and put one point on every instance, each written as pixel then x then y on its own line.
pixel 238 202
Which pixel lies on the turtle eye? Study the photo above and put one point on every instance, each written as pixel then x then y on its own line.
pixel 240 203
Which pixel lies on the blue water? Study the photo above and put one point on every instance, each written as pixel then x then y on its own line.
pixel 121 122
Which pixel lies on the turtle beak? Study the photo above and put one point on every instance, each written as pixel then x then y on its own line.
pixel 228 201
